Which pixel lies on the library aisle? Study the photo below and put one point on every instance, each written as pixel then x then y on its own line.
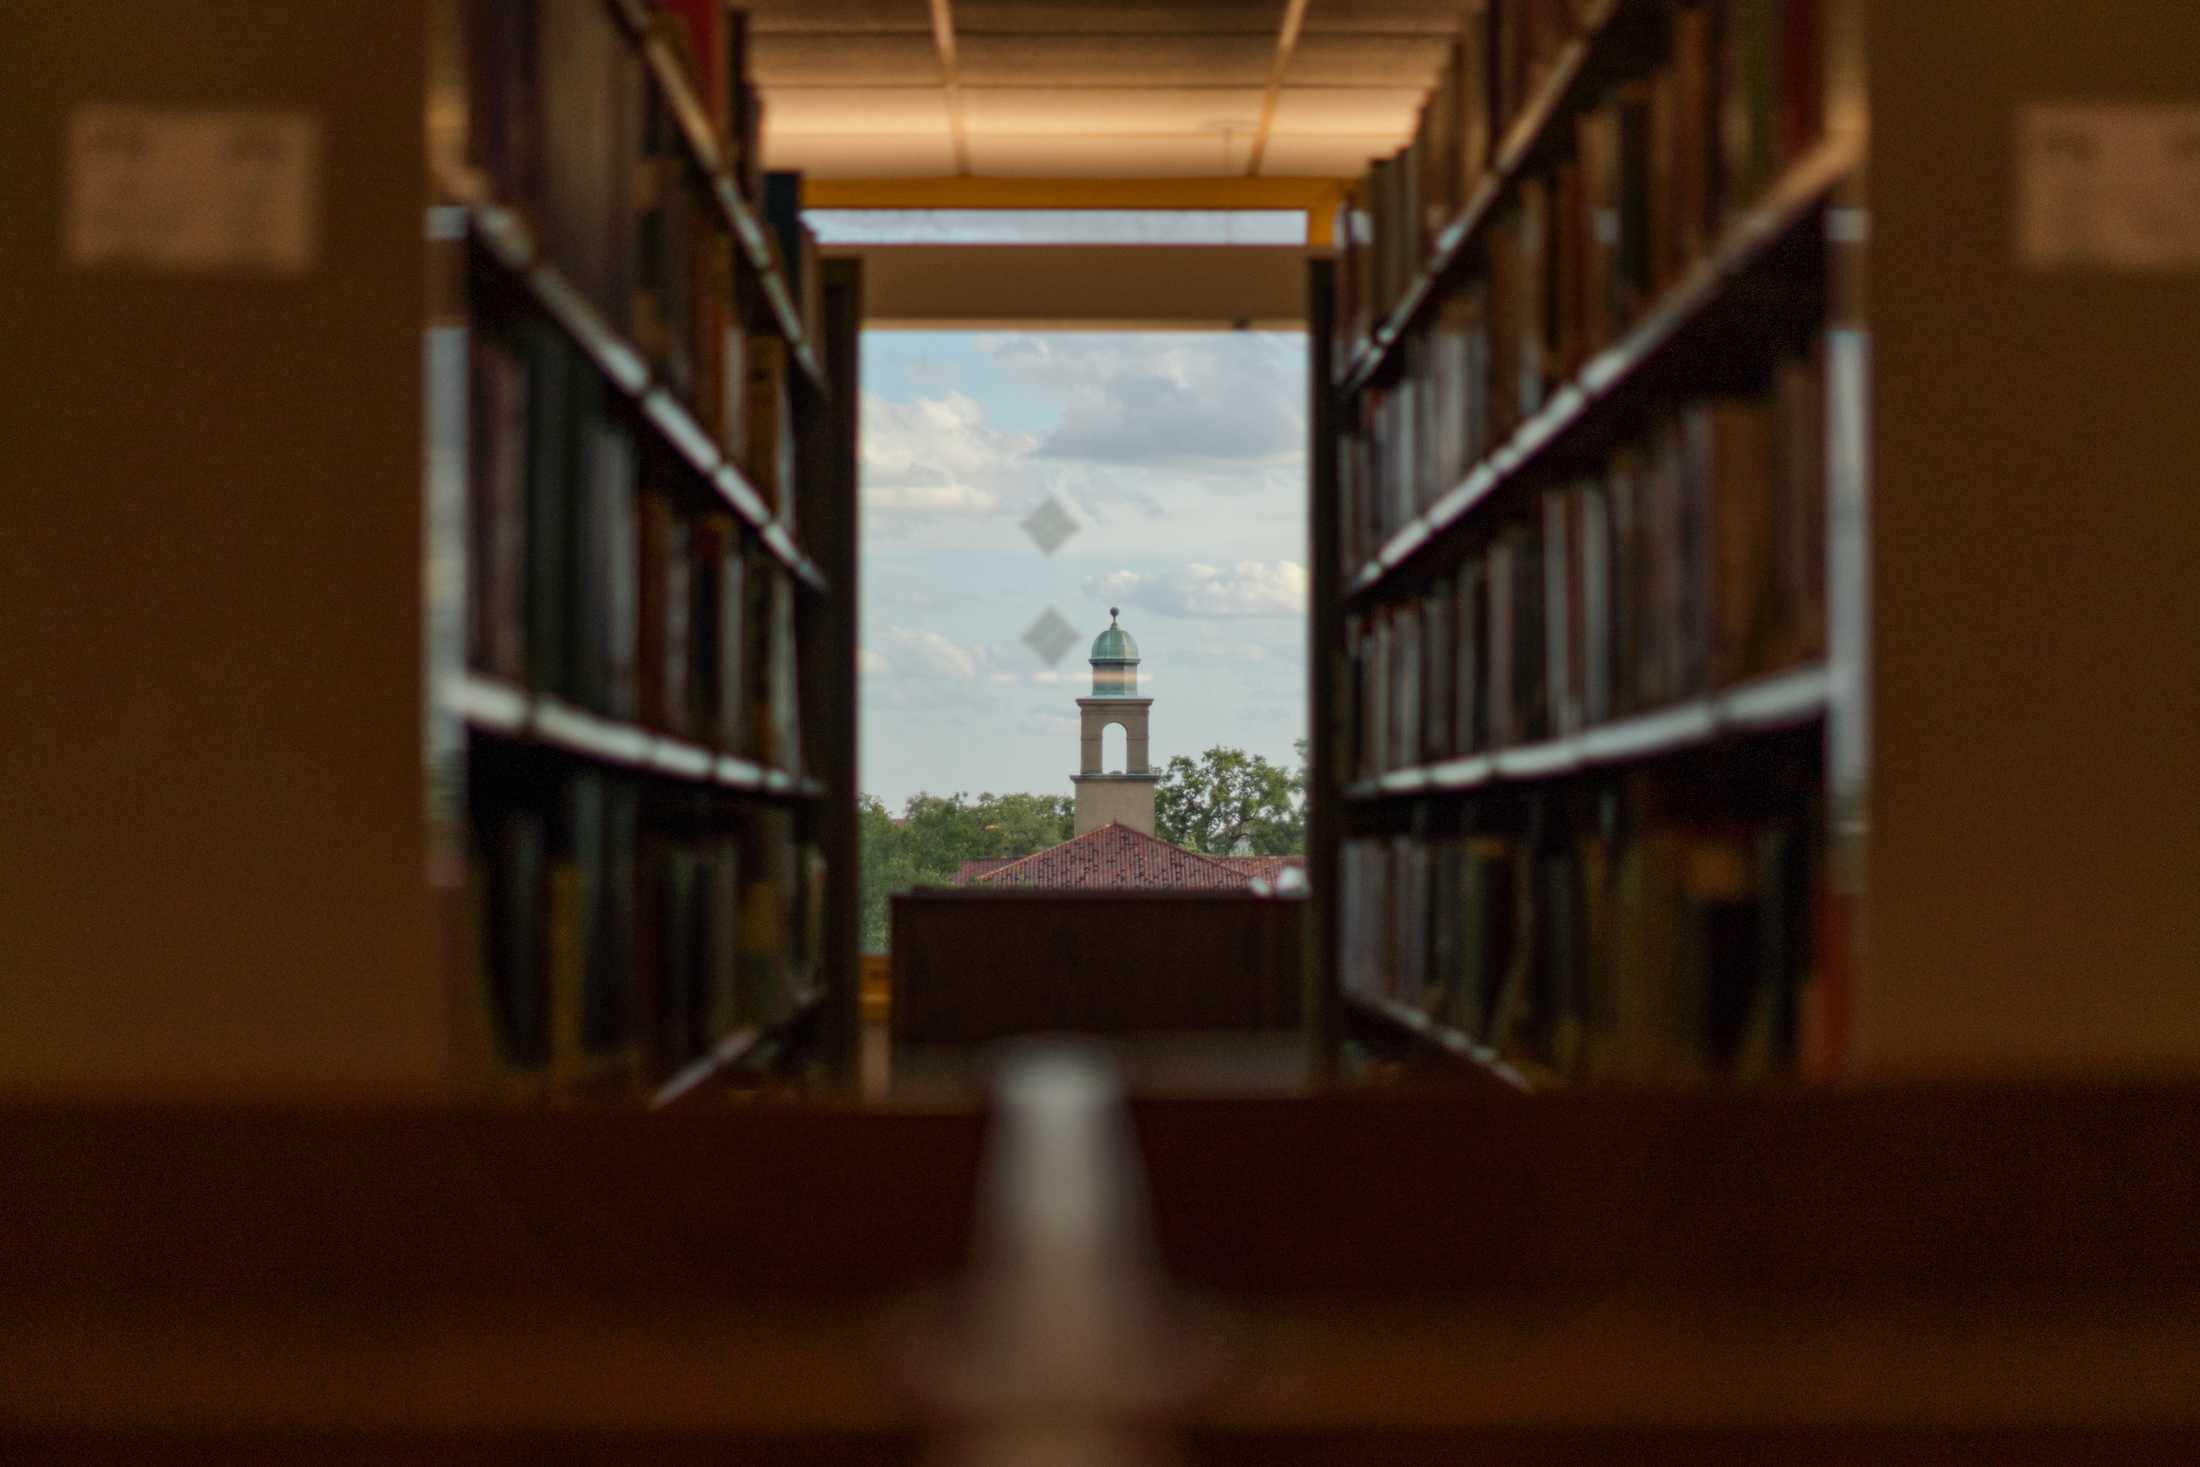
pixel 1746 1000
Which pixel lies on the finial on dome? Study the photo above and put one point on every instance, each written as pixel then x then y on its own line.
pixel 1114 612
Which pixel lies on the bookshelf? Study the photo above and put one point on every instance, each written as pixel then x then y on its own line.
pixel 1924 829
pixel 1574 671
pixel 651 876
pixel 480 674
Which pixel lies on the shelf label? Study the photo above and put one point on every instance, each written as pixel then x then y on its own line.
pixel 2109 187
pixel 192 190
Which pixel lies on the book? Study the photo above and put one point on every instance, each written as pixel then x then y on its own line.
pixel 707 53
pixel 1438 612
pixel 592 123
pixel 504 122
pixel 758 650
pixel 554 379
pixel 763 952
pixel 666 608
pixel 509 866
pixel 1730 468
pixel 1798 528
pixel 496 560
pixel 769 417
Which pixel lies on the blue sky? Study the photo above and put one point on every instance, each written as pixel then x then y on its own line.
pixel 1181 458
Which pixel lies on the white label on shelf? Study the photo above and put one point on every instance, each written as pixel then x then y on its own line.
pixel 193 190
pixel 2110 187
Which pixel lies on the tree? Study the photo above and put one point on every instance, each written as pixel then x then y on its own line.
pixel 936 834
pixel 1228 802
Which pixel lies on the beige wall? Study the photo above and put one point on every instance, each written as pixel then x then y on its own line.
pixel 2034 846
pixel 211 851
pixel 1123 799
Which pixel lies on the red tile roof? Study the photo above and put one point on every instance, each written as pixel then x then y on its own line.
pixel 1113 857
pixel 969 869
pixel 1261 868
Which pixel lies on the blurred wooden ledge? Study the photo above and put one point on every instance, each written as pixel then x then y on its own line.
pixel 1931 1274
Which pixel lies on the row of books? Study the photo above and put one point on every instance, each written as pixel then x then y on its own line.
pixel 1662 946
pixel 616 943
pixel 1693 560
pixel 1393 216
pixel 1639 182
pixel 600 574
pixel 613 193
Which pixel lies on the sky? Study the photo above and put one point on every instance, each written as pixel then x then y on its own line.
pixel 1180 459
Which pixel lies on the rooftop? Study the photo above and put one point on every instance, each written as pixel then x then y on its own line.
pixel 1111 858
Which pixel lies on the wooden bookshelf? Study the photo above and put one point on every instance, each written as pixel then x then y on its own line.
pixel 1523 137
pixel 313 901
pixel 1797 200
pixel 712 685
pixel 1570 765
pixel 671 78
pixel 506 240
pixel 2023 916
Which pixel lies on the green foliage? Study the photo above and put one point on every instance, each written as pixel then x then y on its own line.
pixel 1231 803
pixel 936 834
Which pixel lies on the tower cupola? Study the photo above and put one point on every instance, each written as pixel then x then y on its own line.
pixel 1114 661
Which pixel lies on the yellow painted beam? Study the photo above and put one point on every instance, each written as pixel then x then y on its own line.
pixel 1316 195
pixel 1082 287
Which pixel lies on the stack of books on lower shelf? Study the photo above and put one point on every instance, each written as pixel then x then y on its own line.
pixel 624 931
pixel 1650 934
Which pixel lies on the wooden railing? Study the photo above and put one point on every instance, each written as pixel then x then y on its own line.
pixel 1983 1275
pixel 970 966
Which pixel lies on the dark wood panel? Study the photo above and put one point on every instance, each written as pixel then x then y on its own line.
pixel 1651 1447
pixel 970 966
pixel 1926 1193
pixel 698 1207
pixel 544 1449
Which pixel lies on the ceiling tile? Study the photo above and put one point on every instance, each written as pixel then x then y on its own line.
pixel 838 15
pixel 1323 155
pixel 848 111
pixel 1083 17
pixel 1391 17
pixel 1373 110
pixel 909 154
pixel 1367 61
pixel 811 58
pixel 1125 110
pixel 1090 157
pixel 1118 60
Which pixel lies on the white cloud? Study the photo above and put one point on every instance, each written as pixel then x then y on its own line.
pixel 1225 406
pixel 929 654
pixel 1119 585
pixel 936 459
pixel 870 664
pixel 1196 590
pixel 942 499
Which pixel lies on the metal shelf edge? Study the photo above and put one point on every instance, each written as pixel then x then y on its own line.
pixel 1765 704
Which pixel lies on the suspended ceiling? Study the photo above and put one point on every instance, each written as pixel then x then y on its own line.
pixel 1067 89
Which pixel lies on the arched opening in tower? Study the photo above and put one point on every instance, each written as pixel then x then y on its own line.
pixel 1115 745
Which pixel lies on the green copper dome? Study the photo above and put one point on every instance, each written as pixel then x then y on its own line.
pixel 1114 644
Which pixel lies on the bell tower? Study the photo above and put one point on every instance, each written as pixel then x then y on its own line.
pixel 1123 796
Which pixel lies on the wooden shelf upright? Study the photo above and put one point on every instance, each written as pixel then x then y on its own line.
pixel 490 732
